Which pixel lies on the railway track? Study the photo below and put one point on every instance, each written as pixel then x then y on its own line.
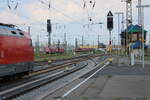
pixel 23 88
pixel 15 91
pixel 68 63
pixel 49 68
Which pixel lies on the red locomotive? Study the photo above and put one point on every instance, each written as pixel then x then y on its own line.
pixel 16 51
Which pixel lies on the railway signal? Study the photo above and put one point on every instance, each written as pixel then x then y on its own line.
pixel 49 30
pixel 110 21
pixel 110 26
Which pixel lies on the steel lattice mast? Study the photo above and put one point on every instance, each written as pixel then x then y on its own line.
pixel 128 20
pixel 129 12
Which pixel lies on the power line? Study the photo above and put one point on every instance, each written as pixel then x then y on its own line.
pixel 65 15
pixel 92 6
pixel 82 7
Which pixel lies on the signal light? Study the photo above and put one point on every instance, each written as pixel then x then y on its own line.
pixel 110 21
pixel 49 26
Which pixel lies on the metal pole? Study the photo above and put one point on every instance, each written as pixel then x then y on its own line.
pixel 122 22
pixel 65 42
pixel 49 40
pixel 122 29
pixel 93 43
pixel 110 41
pixel 118 31
pixel 29 30
pixel 37 44
pixel 119 13
pixel 101 32
pixel 109 37
pixel 76 43
pixel 98 41
pixel 142 36
pixel 140 21
pixel 118 27
pixel 82 41
pixel 139 13
pixel 128 22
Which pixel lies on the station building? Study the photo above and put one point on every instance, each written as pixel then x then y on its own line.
pixel 134 37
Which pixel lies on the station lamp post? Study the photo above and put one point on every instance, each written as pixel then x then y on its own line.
pixel 142 23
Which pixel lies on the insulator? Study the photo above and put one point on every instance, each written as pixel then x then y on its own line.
pixel 90 19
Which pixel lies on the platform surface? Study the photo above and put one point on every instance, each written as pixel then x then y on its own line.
pixel 114 82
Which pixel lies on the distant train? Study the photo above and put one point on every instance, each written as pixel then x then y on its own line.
pixel 16 51
pixel 54 50
pixel 84 49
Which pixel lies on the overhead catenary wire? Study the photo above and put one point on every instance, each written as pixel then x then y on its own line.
pixel 14 10
pixel 28 18
pixel 65 15
pixel 64 27
pixel 82 6
pixel 85 7
pixel 14 3
pixel 89 5
pixel 62 13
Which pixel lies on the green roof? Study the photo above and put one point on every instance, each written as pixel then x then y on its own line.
pixel 134 29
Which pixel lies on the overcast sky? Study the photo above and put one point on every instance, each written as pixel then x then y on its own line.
pixel 70 14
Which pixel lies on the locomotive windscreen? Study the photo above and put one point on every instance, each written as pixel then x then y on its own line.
pixel 9 25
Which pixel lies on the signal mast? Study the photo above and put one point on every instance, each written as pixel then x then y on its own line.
pixel 110 28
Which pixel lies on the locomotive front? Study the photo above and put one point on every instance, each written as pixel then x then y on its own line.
pixel 16 51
